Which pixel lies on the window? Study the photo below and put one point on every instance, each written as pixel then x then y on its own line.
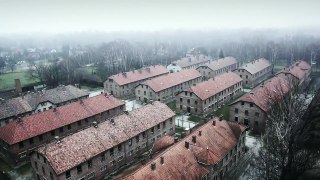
pixel 246 112
pixel 242 103
pixel 236 119
pixel 195 102
pixel 51 176
pixel 246 122
pixel 181 100
pixel 119 148
pixel 79 123
pixel 144 93
pixel 68 175
pixel 188 101
pixel 143 135
pixel 103 157
pixel 236 110
pixel 251 104
pixel 171 121
pixel 138 91
pixel 44 160
pixel 137 138
pixel 164 124
pixel 89 164
pixel 31 141
pixel 43 170
pixel 130 142
pixel 40 137
pixel 186 93
pixel 53 133
pixel 257 114
pixel 61 129
pixel 87 120
pixel 69 126
pixel 158 126
pixel 196 110
pixel 79 169
pixel 152 130
pixel 21 145
pixel 103 168
pixel 111 152
pixel 180 106
pixel 91 175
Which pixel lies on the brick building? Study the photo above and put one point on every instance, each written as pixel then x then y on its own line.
pixel 123 84
pixel 103 148
pixel 192 61
pixel 251 109
pixel 207 153
pixel 216 67
pixel 19 137
pixel 253 73
pixel 165 88
pixel 31 103
pixel 208 95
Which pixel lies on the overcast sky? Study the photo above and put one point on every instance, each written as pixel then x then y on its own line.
pixel 59 16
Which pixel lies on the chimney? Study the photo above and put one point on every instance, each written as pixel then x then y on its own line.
pixel 153 166
pixel 194 139
pixel 175 139
pixel 200 133
pixel 124 74
pixel 214 123
pixel 220 117
pixel 95 124
pixel 126 112
pixel 151 101
pixel 18 86
pixel 57 138
pixel 162 160
pixel 19 120
pixel 186 144
pixel 81 101
pixel 112 121
pixel 54 109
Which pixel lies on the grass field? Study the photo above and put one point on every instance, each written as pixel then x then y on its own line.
pixel 7 79
pixel 172 105
pixel 89 69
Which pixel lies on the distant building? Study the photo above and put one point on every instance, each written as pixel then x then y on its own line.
pixel 207 96
pixel 251 109
pixel 253 73
pixel 105 147
pixel 18 138
pixel 207 153
pixel 165 88
pixel 216 67
pixel 191 61
pixel 123 84
pixel 40 101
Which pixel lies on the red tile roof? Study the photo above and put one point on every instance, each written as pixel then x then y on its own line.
pixel 70 152
pixel 276 87
pixel 182 163
pixel 29 102
pixel 46 121
pixel 211 87
pixel 166 81
pixel 298 69
pixel 221 63
pixel 256 65
pixel 189 61
pixel 137 75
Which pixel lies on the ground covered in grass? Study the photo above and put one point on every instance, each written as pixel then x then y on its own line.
pixel 7 79
pixel 172 105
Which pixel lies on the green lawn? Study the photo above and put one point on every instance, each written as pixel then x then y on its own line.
pixel 172 105
pixel 224 110
pixel 89 69
pixel 7 79
pixel 179 130
pixel 195 119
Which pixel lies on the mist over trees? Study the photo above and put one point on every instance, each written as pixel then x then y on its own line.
pixel 112 53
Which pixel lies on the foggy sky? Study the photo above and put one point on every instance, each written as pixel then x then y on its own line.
pixel 60 16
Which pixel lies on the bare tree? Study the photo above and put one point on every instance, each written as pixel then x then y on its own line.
pixel 282 154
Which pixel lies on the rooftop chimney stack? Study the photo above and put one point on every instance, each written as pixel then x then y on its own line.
pixel 153 166
pixel 194 139
pixel 95 124
pixel 214 123
pixel 200 133
pixel 18 86
pixel 220 117
pixel 112 121
pixel 162 160
pixel 54 109
pixel 186 144
pixel 57 138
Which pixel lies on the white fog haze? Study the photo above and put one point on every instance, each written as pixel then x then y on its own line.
pixel 59 16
